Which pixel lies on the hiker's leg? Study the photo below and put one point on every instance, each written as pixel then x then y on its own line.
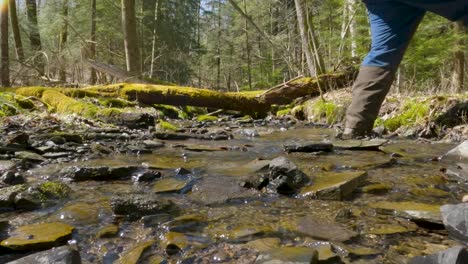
pixel 392 26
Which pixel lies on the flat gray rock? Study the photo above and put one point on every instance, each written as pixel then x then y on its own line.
pixel 455 218
pixel 323 229
pixel 59 255
pixel 461 151
pixel 455 255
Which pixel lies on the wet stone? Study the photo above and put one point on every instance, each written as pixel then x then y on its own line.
pixel 360 144
pixel 461 151
pixel 334 186
pixel 12 178
pixel 29 156
pixel 78 174
pixel 42 195
pixel 455 255
pixel 265 244
pixel 309 147
pixel 8 195
pixel 134 255
pixel 146 176
pixel 455 218
pixel 108 231
pixel 6 165
pixel 326 254
pixel 458 173
pixel 59 255
pixel 151 144
pixel 322 229
pixel 176 243
pixel 135 206
pixel 79 214
pixel 285 177
pixel 220 189
pixel 296 255
pixel 377 188
pixel 170 185
pixel 156 220
pixel 411 210
pixel 38 236
pixel 390 229
pixel 186 223
pixel 57 155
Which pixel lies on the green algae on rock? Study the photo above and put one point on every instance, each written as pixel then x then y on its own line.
pixel 207 118
pixel 334 186
pixel 108 231
pixel 296 255
pixel 38 236
pixel 134 255
pixel 412 210
pixel 169 185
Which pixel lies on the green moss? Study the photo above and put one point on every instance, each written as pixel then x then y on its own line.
pixel 114 102
pixel 31 91
pixel 326 110
pixel 54 190
pixel 109 112
pixel 171 111
pixel 164 125
pixel 412 113
pixel 283 112
pixel 66 105
pixel 207 118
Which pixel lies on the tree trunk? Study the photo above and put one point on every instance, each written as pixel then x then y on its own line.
pixel 155 35
pixel 92 45
pixel 132 52
pixel 16 31
pixel 63 42
pixel 352 26
pixel 218 49
pixel 302 24
pixel 247 47
pixel 458 74
pixel 5 60
pixel 34 35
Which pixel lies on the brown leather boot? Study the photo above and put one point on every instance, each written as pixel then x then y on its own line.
pixel 369 91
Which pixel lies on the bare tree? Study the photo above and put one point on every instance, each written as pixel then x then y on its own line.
pixel 34 35
pixel 16 31
pixel 5 60
pixel 63 42
pixel 458 74
pixel 132 51
pixel 92 44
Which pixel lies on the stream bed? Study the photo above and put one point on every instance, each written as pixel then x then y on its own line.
pixel 202 201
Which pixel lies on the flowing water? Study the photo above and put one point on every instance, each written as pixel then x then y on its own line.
pixel 219 221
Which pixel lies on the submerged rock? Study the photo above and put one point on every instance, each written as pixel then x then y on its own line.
pixel 134 255
pixel 455 218
pixel 59 255
pixel 286 255
pixel 219 189
pixel 285 177
pixel 360 144
pixel 455 255
pixel 42 195
pixel 322 229
pixel 309 147
pixel 38 236
pixel 265 244
pixel 170 185
pixel 411 210
pixel 335 186
pixel 136 206
pixel 461 151
pixel 103 173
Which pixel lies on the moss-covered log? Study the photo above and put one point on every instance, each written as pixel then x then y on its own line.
pixel 288 92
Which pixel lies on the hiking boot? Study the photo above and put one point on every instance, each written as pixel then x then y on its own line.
pixel 369 91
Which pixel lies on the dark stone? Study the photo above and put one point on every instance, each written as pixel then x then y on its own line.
pixel 285 177
pixel 11 178
pixel 147 176
pixel 136 120
pixel 20 138
pixel 309 147
pixel 59 255
pixel 135 206
pixel 182 172
pixel 458 173
pixel 455 255
pixel 8 195
pixel 58 140
pixel 78 174
pixel 455 218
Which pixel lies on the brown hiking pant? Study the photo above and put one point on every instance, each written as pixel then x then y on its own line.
pixel 369 91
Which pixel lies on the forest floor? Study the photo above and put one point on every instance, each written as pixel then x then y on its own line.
pixel 116 180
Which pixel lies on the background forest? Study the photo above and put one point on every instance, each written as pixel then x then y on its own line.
pixel 220 44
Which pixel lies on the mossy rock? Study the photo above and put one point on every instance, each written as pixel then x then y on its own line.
pixel 207 118
pixel 54 190
pixel 114 102
pixel 38 236
pixel 164 125
pixel 283 112
pixel 66 105
pixel 170 111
